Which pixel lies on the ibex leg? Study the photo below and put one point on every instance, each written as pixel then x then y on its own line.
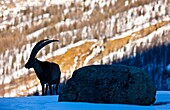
pixel 46 89
pixel 56 89
pixel 42 84
pixel 50 86
pixel 58 82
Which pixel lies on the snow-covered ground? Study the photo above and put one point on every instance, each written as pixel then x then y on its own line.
pixel 51 103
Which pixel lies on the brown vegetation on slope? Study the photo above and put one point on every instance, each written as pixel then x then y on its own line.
pixel 78 53
pixel 66 60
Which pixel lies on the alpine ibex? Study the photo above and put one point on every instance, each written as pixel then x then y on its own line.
pixel 48 73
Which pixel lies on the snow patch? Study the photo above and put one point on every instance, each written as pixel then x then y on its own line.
pixel 168 68
pixel 51 103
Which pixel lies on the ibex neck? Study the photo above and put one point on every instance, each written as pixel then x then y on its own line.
pixel 38 68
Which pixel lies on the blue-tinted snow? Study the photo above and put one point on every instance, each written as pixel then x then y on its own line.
pixel 51 103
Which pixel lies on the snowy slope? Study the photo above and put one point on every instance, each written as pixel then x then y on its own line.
pixel 51 103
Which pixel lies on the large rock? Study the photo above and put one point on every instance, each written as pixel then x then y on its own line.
pixel 109 84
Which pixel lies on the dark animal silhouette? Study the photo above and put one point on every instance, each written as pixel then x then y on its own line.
pixel 47 72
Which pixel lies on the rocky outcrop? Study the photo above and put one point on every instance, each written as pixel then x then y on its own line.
pixel 109 84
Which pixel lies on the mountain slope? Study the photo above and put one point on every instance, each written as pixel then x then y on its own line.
pixel 90 32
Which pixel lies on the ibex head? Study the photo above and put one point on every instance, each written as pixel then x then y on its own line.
pixel 32 60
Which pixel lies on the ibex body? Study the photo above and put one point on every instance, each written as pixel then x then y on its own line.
pixel 47 72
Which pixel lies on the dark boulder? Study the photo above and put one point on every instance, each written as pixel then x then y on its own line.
pixel 109 84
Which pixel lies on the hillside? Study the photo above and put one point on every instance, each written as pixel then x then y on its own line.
pixel 132 32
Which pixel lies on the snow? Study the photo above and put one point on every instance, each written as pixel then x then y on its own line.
pixel 51 103
pixel 35 34
pixel 168 67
